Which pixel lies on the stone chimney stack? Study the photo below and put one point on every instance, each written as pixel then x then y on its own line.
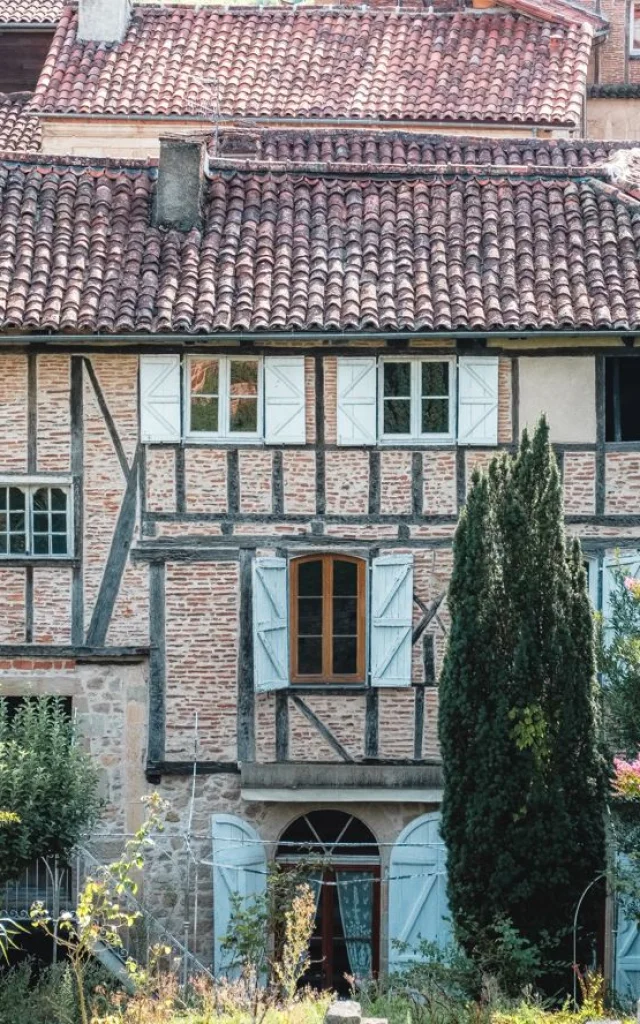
pixel 180 187
pixel 103 21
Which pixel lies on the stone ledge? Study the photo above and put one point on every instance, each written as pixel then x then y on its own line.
pixel 295 781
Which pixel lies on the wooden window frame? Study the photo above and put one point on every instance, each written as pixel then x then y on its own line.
pixel 416 436
pixel 634 15
pixel 224 432
pixel 328 561
pixel 29 487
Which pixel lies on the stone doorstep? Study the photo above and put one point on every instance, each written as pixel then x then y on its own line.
pixel 348 1012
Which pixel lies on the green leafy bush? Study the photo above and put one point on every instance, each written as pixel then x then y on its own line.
pixel 48 785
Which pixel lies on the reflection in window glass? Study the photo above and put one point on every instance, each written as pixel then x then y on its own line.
pixel 635 28
pixel 50 521
pixel 13 527
pixel 205 393
pixel 396 398
pixel 34 521
pixel 435 398
pixel 243 396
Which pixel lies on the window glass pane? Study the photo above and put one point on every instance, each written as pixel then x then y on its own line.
pixel 17 544
pixel 435 416
pixel 397 416
pixel 345 578
pixel 59 522
pixel 41 500
pixel 397 380
pixel 59 544
pixel 244 377
pixel 3 522
pixel 243 415
pixel 3 497
pixel 16 522
pixel 40 544
pixel 435 378
pixel 309 656
pixel 310 579
pixel 345 655
pixel 3 544
pixel 58 500
pixel 310 616
pixel 345 616
pixel 205 376
pixel 16 498
pixel 204 414
pixel 635 29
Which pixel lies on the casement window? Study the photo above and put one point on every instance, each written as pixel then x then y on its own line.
pixel 622 409
pixel 222 398
pixel 34 520
pixel 634 33
pixel 332 618
pixel 417 400
pixel 327 615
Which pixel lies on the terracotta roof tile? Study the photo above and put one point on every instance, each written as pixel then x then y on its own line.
pixel 325 64
pixel 30 12
pixel 486 251
pixel 348 148
pixel 19 130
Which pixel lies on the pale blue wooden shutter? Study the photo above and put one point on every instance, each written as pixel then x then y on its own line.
pixel 478 400
pixel 418 909
pixel 270 624
pixel 356 412
pixel 239 868
pixel 391 620
pixel 284 400
pixel 160 398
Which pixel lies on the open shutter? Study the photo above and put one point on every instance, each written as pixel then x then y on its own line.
pixel 478 400
pixel 356 401
pixel 625 562
pixel 418 909
pixel 270 625
pixel 160 398
pixel 391 619
pixel 239 869
pixel 284 404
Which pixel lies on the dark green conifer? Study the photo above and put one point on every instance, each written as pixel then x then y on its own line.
pixel 524 779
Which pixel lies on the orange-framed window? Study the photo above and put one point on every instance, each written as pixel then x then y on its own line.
pixel 328 617
pixel 635 28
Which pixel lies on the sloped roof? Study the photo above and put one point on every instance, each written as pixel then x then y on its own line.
pixel 324 64
pixel 30 12
pixel 440 251
pixel 351 148
pixel 19 130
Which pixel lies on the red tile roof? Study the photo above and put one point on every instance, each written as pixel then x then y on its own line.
pixel 30 12
pixel 18 130
pixel 439 251
pixel 322 63
pixel 348 148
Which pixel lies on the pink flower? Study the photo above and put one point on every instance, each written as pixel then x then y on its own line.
pixel 632 585
pixel 627 778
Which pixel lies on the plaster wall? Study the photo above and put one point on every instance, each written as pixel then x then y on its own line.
pixel 563 388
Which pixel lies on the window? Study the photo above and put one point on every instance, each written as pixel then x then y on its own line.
pixel 634 37
pixel 34 520
pixel 622 384
pixel 327 619
pixel 224 396
pixel 416 398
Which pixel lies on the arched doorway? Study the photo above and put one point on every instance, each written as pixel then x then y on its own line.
pixel 344 871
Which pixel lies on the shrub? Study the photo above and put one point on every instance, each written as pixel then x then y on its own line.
pixel 48 785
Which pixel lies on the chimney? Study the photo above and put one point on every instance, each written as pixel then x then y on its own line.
pixel 103 21
pixel 181 175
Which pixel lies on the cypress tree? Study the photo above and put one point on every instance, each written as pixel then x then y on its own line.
pixel 524 778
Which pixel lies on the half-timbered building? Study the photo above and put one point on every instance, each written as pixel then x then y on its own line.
pixel 241 400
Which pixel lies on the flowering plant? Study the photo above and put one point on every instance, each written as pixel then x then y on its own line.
pixel 626 781
pixel 632 585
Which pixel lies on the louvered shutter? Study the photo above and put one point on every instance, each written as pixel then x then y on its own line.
pixel 418 909
pixel 239 869
pixel 270 624
pixel 391 620
pixel 478 400
pixel 625 562
pixel 357 380
pixel 160 398
pixel 284 400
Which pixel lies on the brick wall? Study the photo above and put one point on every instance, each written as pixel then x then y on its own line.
pixel 13 413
